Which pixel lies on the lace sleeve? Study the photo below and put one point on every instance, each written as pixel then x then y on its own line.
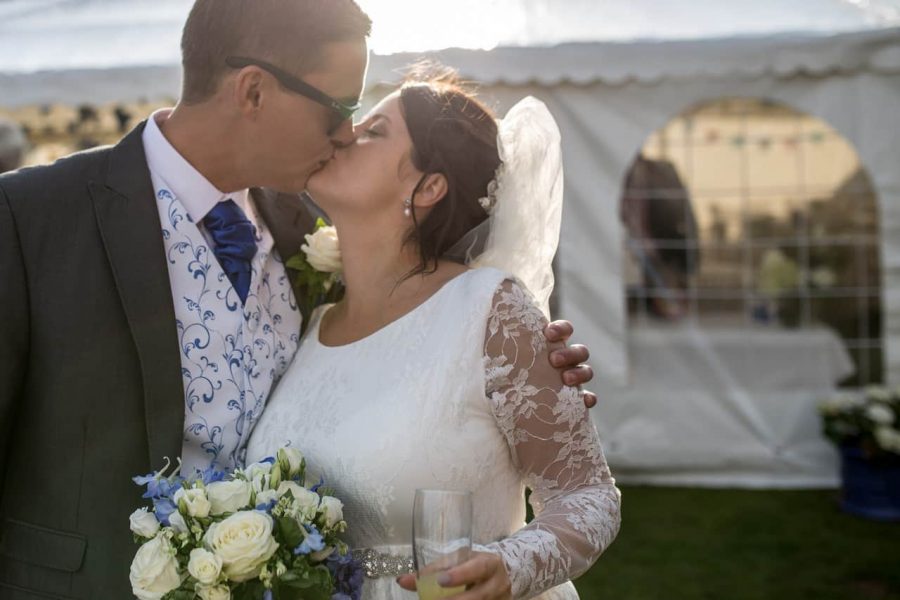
pixel 555 447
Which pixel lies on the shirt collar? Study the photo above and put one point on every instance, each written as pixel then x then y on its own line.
pixel 193 190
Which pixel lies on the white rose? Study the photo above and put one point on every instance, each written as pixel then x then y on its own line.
pixel 178 523
pixel 154 570
pixel 260 483
pixel 290 460
pixel 204 566
pixel 333 510
pixel 879 393
pixel 266 496
pixel 323 251
pixel 244 543
pixel 228 496
pixel 879 414
pixel 888 438
pixel 216 592
pixel 304 500
pixel 195 501
pixel 256 470
pixel 143 523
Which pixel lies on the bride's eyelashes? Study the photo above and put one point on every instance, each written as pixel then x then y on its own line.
pixel 373 132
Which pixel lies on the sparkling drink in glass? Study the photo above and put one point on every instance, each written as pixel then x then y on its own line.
pixel 442 538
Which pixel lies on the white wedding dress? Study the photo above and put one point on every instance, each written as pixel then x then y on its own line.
pixel 457 394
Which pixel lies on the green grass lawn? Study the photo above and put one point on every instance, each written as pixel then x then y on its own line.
pixel 740 545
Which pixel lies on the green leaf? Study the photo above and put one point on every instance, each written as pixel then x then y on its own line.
pixel 305 584
pixel 289 531
pixel 249 590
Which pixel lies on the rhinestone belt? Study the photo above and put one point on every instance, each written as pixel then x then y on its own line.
pixel 378 564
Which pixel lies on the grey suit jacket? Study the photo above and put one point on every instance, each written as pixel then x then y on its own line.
pixel 90 373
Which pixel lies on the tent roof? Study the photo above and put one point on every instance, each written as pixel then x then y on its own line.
pixel 109 50
pixel 648 62
pixel 40 35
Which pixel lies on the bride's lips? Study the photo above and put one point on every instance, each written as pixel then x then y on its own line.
pixel 323 163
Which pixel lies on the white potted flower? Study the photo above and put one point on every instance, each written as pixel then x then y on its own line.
pixel 866 429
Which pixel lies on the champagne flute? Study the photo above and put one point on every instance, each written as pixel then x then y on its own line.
pixel 442 538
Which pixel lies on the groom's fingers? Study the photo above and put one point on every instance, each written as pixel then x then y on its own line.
pixel 558 331
pixel 578 375
pixel 570 357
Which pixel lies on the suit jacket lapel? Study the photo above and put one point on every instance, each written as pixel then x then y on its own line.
pixel 128 219
pixel 289 217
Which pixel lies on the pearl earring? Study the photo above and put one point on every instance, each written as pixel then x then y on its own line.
pixel 407 207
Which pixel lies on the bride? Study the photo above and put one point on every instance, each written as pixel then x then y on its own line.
pixel 449 385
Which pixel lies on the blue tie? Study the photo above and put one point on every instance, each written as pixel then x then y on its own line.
pixel 235 243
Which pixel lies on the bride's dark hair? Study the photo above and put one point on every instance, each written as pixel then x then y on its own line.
pixel 455 135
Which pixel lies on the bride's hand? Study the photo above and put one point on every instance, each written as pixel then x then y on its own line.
pixel 570 359
pixel 484 576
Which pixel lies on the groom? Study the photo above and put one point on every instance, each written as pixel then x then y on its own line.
pixel 144 310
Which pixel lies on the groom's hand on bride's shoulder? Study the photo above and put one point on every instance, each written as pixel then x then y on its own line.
pixel 571 359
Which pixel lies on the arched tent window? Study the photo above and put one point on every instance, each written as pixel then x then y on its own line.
pixel 746 214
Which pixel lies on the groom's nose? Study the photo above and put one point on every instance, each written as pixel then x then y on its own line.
pixel 343 135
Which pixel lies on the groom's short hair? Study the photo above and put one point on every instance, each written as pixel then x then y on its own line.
pixel 287 33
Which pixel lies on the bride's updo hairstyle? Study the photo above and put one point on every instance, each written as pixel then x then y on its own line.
pixel 455 135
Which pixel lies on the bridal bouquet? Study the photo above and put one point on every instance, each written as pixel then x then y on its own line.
pixel 257 533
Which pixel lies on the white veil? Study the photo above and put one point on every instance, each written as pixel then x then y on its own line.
pixel 522 233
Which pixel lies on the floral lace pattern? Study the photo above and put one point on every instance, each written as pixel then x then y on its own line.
pixel 555 447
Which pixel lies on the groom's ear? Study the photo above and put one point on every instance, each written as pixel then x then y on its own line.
pixel 432 191
pixel 248 86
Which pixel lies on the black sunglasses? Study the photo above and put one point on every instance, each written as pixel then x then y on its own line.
pixel 340 111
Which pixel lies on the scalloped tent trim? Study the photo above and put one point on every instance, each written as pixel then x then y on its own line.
pixel 612 63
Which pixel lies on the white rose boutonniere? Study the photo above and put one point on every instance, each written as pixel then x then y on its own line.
pixel 316 268
pixel 323 250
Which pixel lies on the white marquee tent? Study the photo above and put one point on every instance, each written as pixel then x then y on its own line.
pixel 701 423
pixel 707 426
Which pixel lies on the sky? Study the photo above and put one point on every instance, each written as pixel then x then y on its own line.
pixel 48 34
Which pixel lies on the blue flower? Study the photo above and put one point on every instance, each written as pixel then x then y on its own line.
pixel 316 487
pixel 164 507
pixel 211 475
pixel 159 487
pixel 312 543
pixel 267 507
pixel 267 595
pixel 347 575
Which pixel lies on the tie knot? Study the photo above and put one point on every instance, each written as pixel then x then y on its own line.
pixel 234 237
pixel 233 234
